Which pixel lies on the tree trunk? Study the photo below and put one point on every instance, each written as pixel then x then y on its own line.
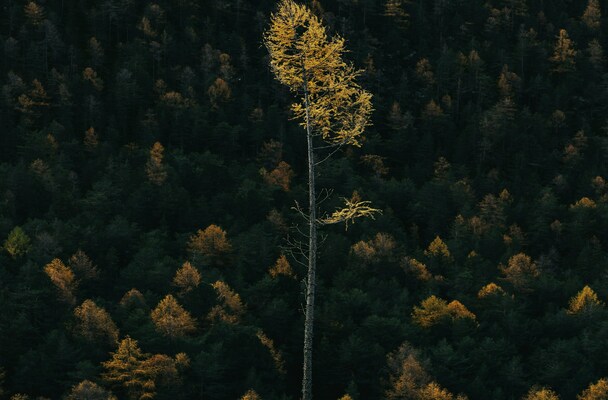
pixel 312 255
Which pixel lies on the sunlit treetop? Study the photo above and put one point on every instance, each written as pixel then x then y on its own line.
pixel 306 60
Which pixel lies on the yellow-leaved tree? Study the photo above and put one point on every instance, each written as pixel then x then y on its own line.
pixel 331 107
pixel 171 319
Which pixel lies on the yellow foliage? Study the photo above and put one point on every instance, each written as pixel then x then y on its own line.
pixel 94 323
pixel 171 319
pixel 419 270
pixel 276 354
pixel 87 390
pixel 491 289
pixel 585 300
pixel 210 243
pixel 187 277
pixel 541 394
pixel 251 395
pixel 280 176
pixel 156 171
pixel 432 110
pixel 433 310
pixel 90 139
pixel 354 208
pixel 124 369
pixel 303 58
pixel 89 75
pixel 433 391
pixel 438 248
pixel 407 374
pixel 584 202
pixel 382 245
pixel 133 298
pixel 595 391
pixel 592 15
pixel 424 71
pixel 219 92
pixel 563 53
pixel 232 308
pixel 395 9
pixel 34 13
pixel 520 271
pixel 281 267
pixel 346 397
pixel 63 278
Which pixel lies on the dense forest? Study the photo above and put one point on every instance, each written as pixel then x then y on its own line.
pixel 152 177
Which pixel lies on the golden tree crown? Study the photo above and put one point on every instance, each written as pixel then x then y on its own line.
pixel 306 60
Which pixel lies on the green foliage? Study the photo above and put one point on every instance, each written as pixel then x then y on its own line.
pixel 18 243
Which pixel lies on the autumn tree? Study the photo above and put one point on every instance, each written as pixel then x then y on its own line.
pixel 541 394
pixel 592 15
pixel 124 370
pixel 187 278
pixel 155 169
pixel 520 271
pixel 94 323
pixel 563 53
pixel 281 267
pixel 595 391
pixel 171 319
pixel 63 278
pixel 211 243
pixel 231 308
pixel 331 105
pixel 87 390
pixel 584 302
pixel 17 243
pixel 251 395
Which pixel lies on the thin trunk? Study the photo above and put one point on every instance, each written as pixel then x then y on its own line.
pixel 312 254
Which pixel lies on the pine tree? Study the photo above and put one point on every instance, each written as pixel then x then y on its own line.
pixel 331 106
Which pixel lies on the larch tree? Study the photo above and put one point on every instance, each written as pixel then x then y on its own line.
pixel 330 106
pixel 171 319
pixel 187 278
pixel 592 15
pixel 63 278
pixel 87 390
pixel 95 323
pixel 155 169
pixel 125 369
pixel 595 391
pixel 563 53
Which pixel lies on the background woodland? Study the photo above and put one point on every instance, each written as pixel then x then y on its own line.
pixel 149 166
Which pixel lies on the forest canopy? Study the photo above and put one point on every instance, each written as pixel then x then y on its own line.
pixel 151 172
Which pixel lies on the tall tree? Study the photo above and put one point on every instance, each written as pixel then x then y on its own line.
pixel 330 106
